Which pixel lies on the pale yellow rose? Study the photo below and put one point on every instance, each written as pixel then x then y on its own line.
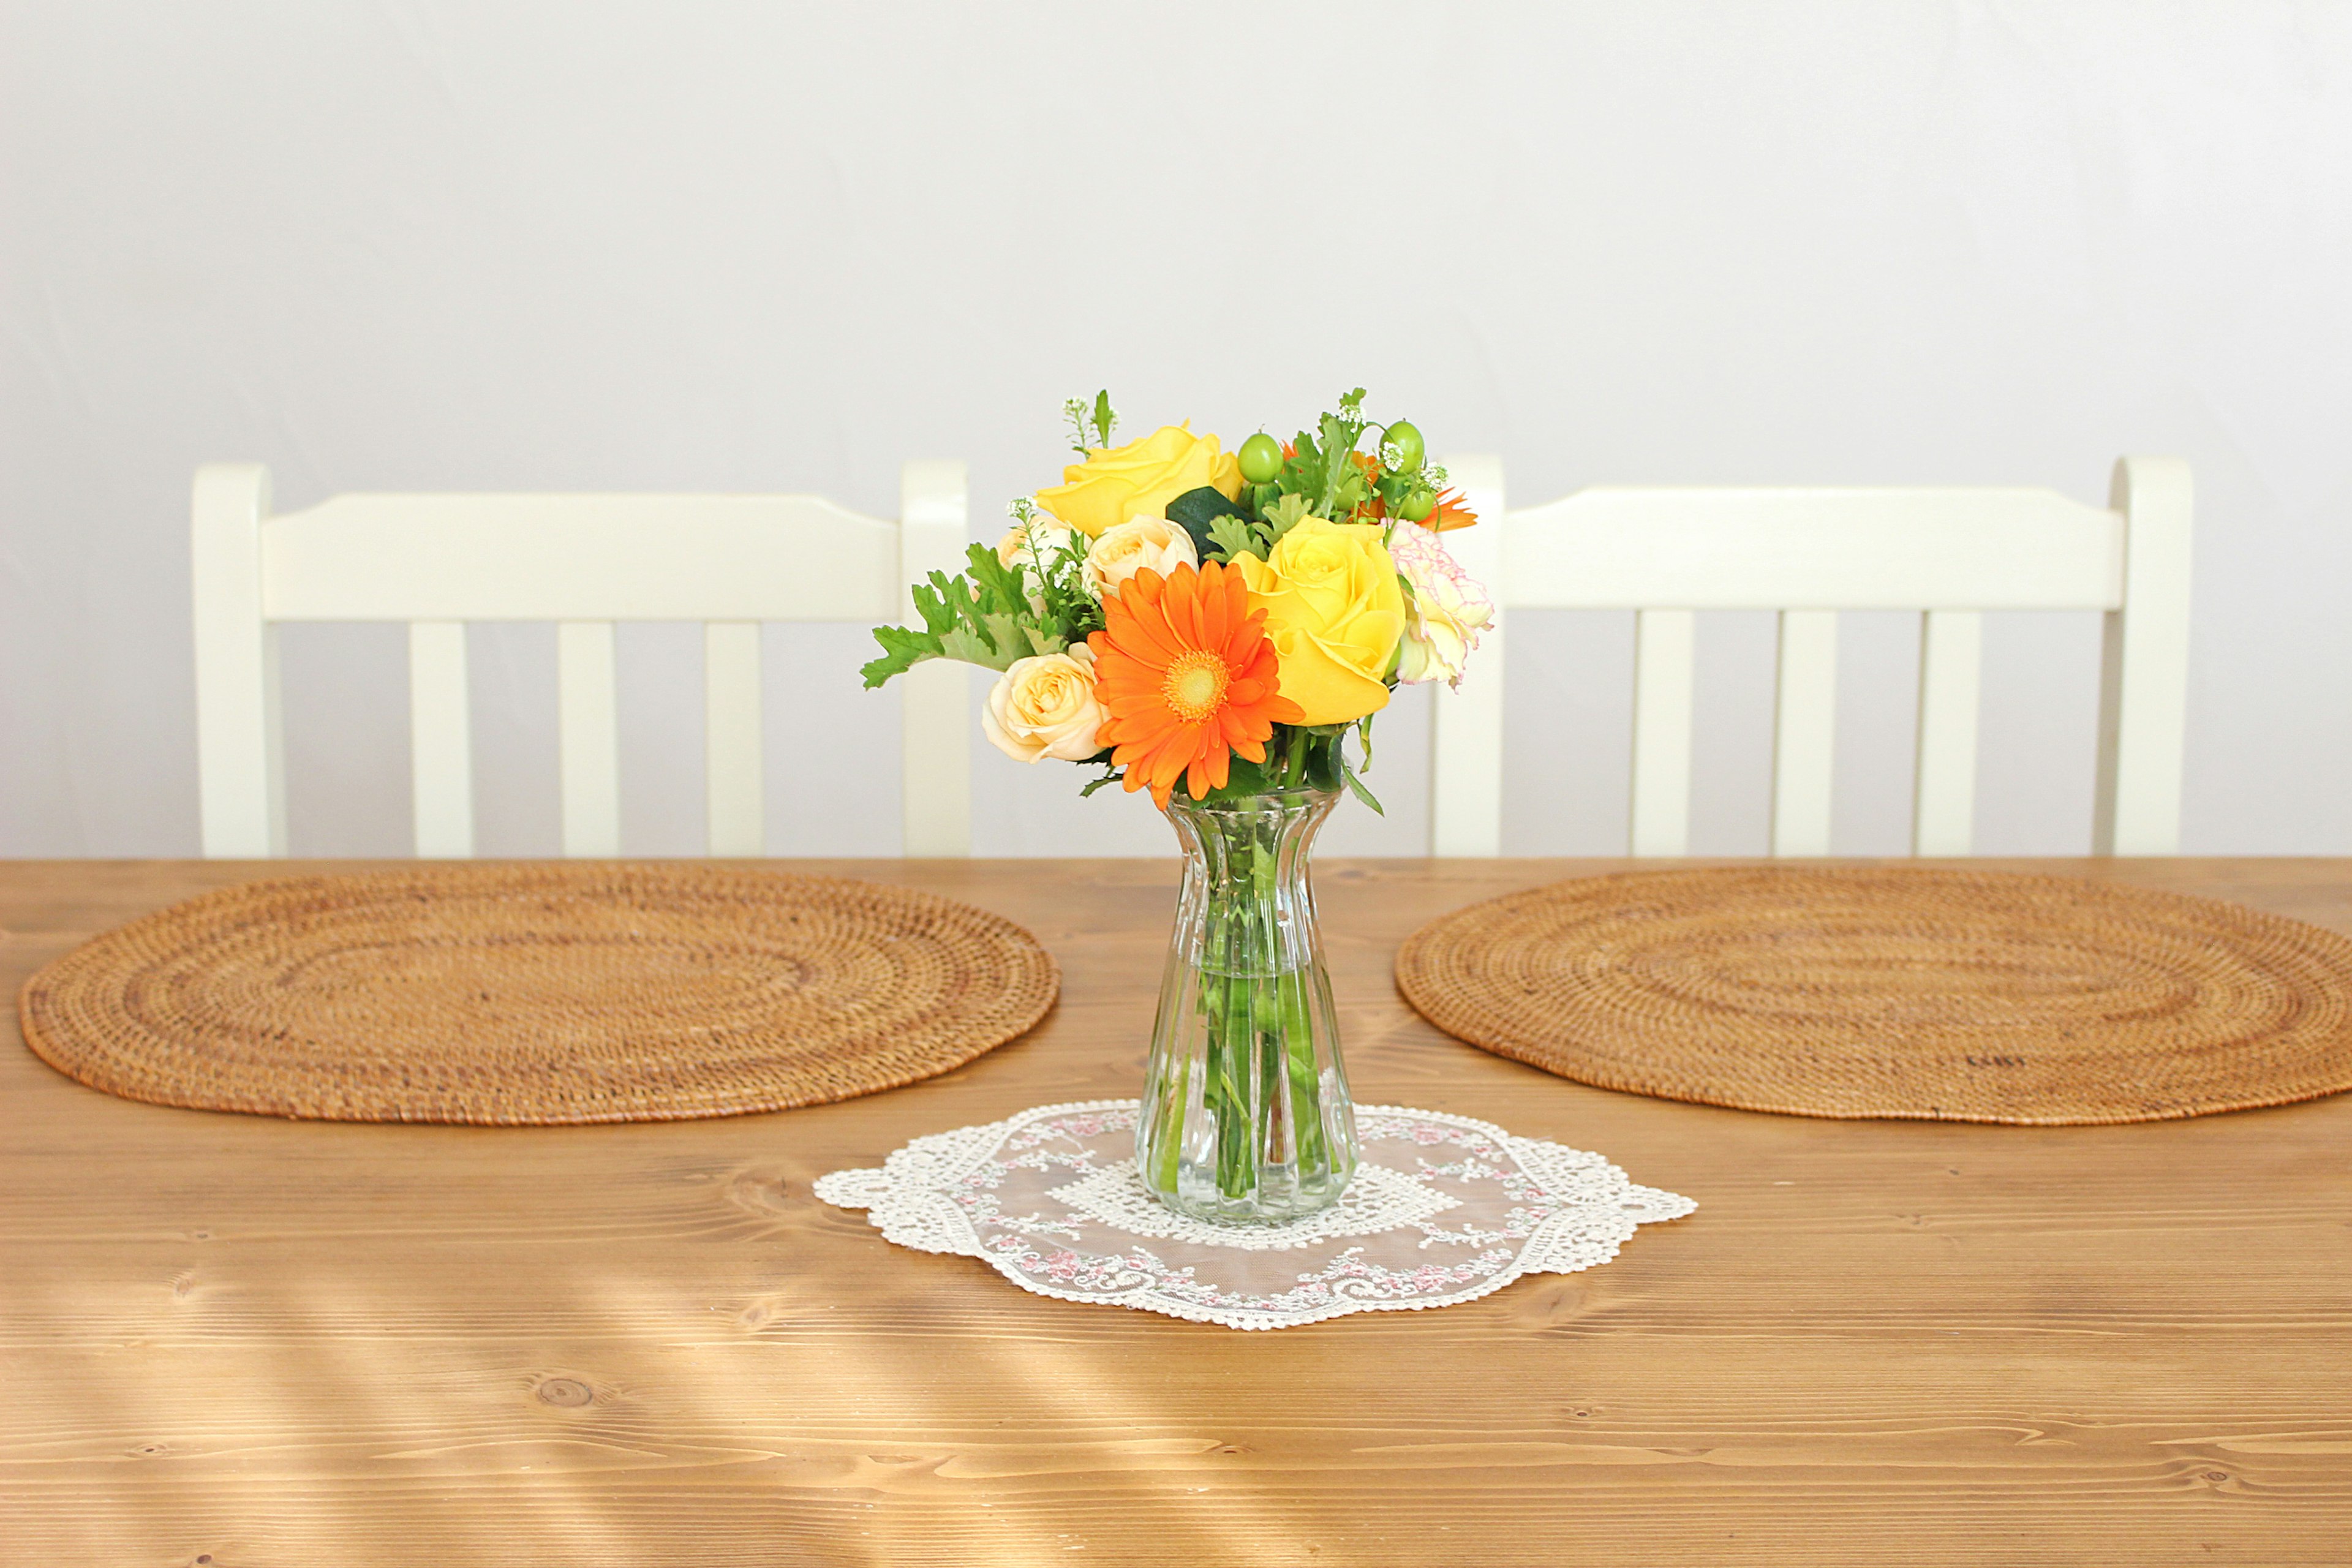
pixel 1138 542
pixel 1334 613
pixel 1045 706
pixel 1140 479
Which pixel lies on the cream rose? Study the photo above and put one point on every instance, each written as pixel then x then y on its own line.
pixel 1031 545
pixel 1123 551
pixel 1045 706
pixel 1443 613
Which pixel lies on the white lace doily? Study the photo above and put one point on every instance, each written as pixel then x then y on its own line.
pixel 1442 1209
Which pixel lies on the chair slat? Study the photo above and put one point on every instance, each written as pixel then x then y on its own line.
pixel 935 713
pixel 1804 733
pixel 1662 661
pixel 440 740
pixel 1951 659
pixel 734 780
pixel 2144 666
pixel 1465 757
pixel 1811 549
pixel 603 558
pixel 239 752
pixel 588 737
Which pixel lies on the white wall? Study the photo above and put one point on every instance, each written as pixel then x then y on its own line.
pixel 744 246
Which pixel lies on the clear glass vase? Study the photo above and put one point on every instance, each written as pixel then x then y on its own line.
pixel 1246 1118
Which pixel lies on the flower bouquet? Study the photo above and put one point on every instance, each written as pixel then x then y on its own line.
pixel 1215 627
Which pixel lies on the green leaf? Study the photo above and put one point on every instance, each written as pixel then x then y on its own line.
pixel 1325 767
pixel 1244 777
pixel 974 647
pixel 1283 516
pixel 999 585
pixel 1356 787
pixel 983 618
pixel 901 651
pixel 1230 537
pixel 1196 510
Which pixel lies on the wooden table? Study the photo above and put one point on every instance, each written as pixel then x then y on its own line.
pixel 237 1341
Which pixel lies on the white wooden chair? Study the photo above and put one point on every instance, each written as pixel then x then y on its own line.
pixel 1809 554
pixel 583 562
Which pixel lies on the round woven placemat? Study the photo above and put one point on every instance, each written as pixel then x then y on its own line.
pixel 1896 992
pixel 537 994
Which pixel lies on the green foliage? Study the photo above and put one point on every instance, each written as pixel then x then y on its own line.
pixel 1232 534
pixel 989 614
pixel 1322 466
pixel 901 650
pixel 1243 778
pixel 1284 515
pixel 1300 756
pixel 1197 512
pixel 1356 787
pixel 1111 773
pixel 1323 474
pixel 1096 418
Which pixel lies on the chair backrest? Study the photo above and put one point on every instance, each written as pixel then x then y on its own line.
pixel 1809 554
pixel 583 562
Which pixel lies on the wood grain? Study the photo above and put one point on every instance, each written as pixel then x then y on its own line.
pixel 241 1342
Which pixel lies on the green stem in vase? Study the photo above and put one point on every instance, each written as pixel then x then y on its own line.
pixel 1246 1025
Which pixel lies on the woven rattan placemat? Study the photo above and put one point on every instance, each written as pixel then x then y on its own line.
pixel 536 993
pixel 1896 992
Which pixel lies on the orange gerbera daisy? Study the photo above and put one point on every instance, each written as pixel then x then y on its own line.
pixel 1452 512
pixel 1184 670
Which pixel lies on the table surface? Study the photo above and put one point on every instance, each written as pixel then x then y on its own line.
pixel 238 1342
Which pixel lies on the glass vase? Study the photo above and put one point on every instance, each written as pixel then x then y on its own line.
pixel 1247 1119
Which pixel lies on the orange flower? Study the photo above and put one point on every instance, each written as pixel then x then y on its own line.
pixel 1372 506
pixel 1184 670
pixel 1452 512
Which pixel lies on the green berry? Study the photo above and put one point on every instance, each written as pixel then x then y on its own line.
pixel 1261 458
pixel 1417 506
pixel 1409 449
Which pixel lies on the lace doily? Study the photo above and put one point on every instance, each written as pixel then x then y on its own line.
pixel 1442 1209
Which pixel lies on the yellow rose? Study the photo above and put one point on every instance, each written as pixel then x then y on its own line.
pixel 1334 613
pixel 1140 479
pixel 1045 706
pixel 1138 542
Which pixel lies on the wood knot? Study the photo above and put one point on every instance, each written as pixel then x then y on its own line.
pixel 569 1392
pixel 757 1195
